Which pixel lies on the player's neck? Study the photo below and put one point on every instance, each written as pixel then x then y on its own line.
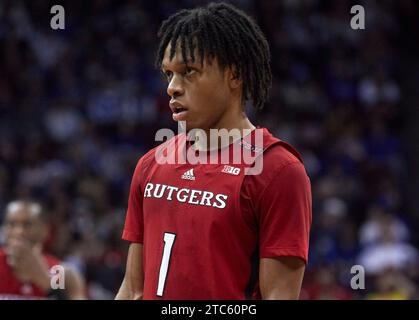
pixel 228 131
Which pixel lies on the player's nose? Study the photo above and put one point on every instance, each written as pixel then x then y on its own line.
pixel 175 88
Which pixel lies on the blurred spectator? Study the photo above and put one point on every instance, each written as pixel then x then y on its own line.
pixel 378 221
pixel 392 285
pixel 388 252
pixel 325 286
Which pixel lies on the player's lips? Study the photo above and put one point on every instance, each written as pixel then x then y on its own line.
pixel 179 110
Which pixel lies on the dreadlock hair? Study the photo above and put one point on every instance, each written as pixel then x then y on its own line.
pixel 221 31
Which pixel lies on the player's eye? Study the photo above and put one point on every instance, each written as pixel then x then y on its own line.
pixel 168 75
pixel 189 71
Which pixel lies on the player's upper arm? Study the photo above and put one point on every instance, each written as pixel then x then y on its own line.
pixel 284 213
pixel 280 278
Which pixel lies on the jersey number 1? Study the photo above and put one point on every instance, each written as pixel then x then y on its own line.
pixel 169 239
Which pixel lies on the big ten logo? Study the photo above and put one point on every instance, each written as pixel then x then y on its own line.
pixel 231 170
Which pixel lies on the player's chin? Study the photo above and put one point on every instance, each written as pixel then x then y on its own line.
pixel 189 125
pixel 195 127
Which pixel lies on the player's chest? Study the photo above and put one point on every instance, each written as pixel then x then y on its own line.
pixel 192 192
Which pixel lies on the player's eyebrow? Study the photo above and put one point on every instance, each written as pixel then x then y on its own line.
pixel 188 62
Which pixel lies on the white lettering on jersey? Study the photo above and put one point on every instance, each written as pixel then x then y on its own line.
pixel 169 196
pixel 206 197
pixel 221 203
pixel 147 191
pixel 194 196
pixel 156 193
pixel 184 195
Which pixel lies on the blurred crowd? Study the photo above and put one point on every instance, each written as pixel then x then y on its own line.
pixel 79 106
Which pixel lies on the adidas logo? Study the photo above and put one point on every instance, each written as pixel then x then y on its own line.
pixel 188 175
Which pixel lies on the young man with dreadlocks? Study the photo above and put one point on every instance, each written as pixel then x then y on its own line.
pixel 211 231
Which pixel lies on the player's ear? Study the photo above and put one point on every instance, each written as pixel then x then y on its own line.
pixel 234 80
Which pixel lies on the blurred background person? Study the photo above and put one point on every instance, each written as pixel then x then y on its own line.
pixel 24 266
pixel 392 284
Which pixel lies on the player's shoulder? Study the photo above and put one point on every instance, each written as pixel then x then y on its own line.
pixel 278 153
pixel 277 157
pixel 280 161
pixel 149 158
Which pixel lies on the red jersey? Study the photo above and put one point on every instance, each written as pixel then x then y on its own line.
pixel 204 227
pixel 11 288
